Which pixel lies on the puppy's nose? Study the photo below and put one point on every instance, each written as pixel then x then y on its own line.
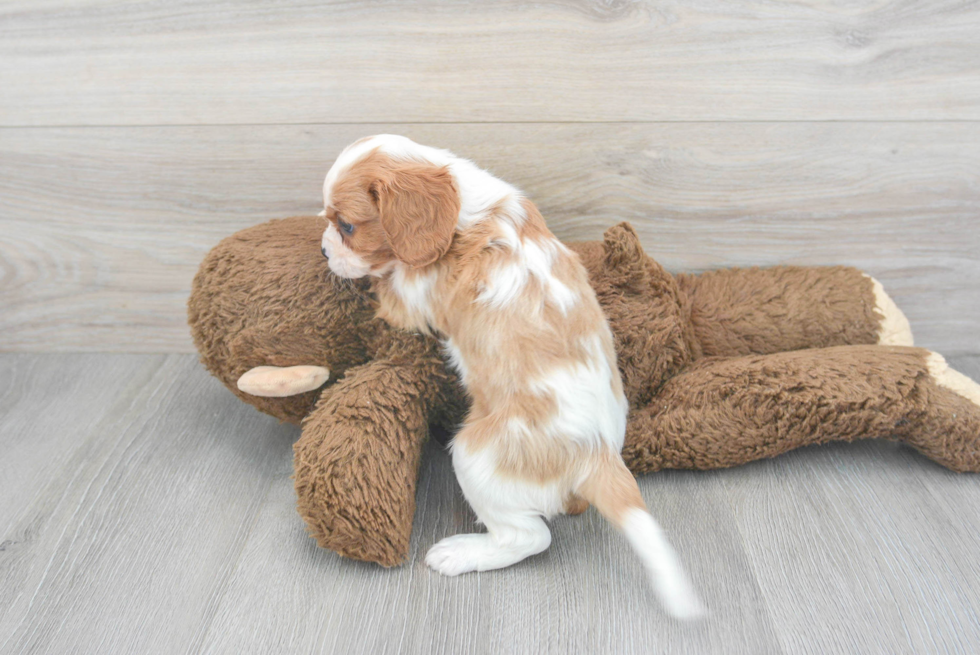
pixel 324 251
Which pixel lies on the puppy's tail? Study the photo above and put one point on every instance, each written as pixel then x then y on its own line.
pixel 612 489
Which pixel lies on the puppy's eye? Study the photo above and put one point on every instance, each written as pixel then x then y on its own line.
pixel 345 227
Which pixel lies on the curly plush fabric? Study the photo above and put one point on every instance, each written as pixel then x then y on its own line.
pixel 725 411
pixel 254 302
pixel 720 369
pixel 745 311
pixel 265 296
pixel 360 452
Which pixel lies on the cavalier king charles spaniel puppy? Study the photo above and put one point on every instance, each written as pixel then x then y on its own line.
pixel 455 252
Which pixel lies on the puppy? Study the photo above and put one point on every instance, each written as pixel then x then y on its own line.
pixel 456 252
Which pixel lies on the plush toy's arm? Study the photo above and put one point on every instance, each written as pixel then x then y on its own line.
pixel 725 412
pixel 760 311
pixel 358 457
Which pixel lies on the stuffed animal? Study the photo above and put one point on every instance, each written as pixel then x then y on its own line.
pixel 720 369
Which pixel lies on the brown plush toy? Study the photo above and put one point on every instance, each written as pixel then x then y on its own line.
pixel 720 369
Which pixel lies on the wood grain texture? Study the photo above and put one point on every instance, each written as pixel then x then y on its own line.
pixel 96 62
pixel 864 556
pixel 37 443
pixel 864 547
pixel 126 525
pixel 102 229
pixel 559 602
pixel 164 521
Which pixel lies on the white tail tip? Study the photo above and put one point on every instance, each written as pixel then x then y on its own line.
pixel 670 581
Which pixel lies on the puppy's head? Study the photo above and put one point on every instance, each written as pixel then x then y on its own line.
pixel 388 200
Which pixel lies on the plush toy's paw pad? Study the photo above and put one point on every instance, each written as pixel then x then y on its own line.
pixel 278 382
pixel 894 329
pixel 952 379
pixel 459 554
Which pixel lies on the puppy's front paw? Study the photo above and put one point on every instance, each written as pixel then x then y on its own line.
pixel 455 555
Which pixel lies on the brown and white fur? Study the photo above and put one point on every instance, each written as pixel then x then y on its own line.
pixel 457 252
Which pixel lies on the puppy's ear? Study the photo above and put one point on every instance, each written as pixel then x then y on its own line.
pixel 419 209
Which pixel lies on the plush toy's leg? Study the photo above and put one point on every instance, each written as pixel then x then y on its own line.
pixel 357 462
pixel 724 412
pixel 761 311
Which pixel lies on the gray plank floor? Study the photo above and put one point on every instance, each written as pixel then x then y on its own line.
pixel 144 509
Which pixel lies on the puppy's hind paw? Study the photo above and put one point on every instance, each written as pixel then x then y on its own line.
pixel 455 555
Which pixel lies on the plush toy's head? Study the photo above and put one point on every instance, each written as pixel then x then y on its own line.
pixel 255 301
pixel 265 296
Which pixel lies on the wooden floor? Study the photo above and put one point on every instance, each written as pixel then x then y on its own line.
pixel 145 509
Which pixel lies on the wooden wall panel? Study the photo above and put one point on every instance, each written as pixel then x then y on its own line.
pixel 101 229
pixel 88 62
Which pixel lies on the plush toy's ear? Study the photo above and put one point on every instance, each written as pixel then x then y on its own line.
pixel 282 381
pixel 419 209
pixel 623 248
